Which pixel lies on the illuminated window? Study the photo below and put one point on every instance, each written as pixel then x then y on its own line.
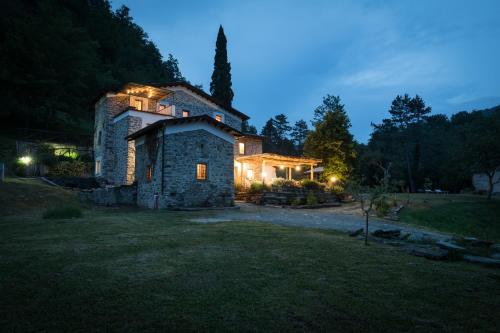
pixel 242 148
pixel 98 167
pixel 137 104
pixel 149 173
pixel 185 113
pixel 201 171
pixel 218 117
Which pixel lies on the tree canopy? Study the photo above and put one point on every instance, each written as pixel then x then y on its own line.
pixel 57 56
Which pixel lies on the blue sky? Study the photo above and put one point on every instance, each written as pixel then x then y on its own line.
pixel 286 55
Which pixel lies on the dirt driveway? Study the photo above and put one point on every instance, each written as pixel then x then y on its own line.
pixel 345 218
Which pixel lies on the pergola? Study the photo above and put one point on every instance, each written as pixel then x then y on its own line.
pixel 275 160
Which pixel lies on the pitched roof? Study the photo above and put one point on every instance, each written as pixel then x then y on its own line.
pixel 185 120
pixel 202 94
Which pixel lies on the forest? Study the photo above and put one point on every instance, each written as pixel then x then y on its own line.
pixel 57 56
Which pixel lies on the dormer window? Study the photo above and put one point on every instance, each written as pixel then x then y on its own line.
pixel 218 117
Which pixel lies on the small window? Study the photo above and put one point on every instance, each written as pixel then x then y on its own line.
pixel 185 113
pixel 242 148
pixel 98 167
pixel 201 171
pixel 218 117
pixel 137 104
pixel 149 173
pixel 99 135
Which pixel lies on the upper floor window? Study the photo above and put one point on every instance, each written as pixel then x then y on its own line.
pixel 149 173
pixel 137 103
pixel 98 167
pixel 99 135
pixel 218 117
pixel 201 171
pixel 241 148
pixel 185 113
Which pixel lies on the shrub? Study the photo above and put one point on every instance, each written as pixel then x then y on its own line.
pixel 238 187
pixel 297 201
pixel 258 187
pixel 69 169
pixel 311 199
pixel 281 182
pixel 311 184
pixel 63 213
pixel 382 206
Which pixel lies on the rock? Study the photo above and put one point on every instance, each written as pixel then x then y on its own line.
pixel 490 262
pixel 495 248
pixel 473 241
pixel 420 237
pixel 496 256
pixel 450 246
pixel 431 253
pixel 405 236
pixel 356 232
pixel 389 234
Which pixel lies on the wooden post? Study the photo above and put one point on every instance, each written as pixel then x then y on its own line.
pixel 312 172
pixel 263 171
pixel 289 173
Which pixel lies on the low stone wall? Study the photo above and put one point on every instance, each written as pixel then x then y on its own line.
pixel 111 196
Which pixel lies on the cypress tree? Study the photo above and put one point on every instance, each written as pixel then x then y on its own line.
pixel 220 87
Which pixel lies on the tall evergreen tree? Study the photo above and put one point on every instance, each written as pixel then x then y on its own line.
pixel 299 135
pixel 220 86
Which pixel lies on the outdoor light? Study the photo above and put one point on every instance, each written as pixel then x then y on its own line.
pixel 282 167
pixel 333 179
pixel 297 168
pixel 26 160
pixel 264 174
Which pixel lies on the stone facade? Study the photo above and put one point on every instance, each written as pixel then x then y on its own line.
pixel 185 101
pixel 174 182
pixel 481 183
pixel 252 145
pixel 124 151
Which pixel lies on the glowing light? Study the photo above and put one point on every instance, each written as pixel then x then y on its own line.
pixel 282 167
pixel 333 179
pixel 298 168
pixel 264 174
pixel 26 160
pixel 250 174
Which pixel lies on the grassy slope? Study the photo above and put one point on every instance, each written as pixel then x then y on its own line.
pixel 139 270
pixel 466 215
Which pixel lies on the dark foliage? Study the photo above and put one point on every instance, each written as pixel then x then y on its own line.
pixel 57 56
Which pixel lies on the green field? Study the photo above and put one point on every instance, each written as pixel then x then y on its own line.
pixel 465 215
pixel 139 270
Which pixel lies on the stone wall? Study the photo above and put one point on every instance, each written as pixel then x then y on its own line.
pixel 124 151
pixel 253 146
pixel 182 152
pixel 110 196
pixel 106 108
pixel 197 107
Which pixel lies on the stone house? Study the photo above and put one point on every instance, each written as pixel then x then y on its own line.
pixel 179 145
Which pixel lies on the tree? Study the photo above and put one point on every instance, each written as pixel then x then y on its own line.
pixel 277 133
pixel 270 135
pixel 220 86
pixel 247 128
pixel 367 197
pixel 299 135
pixel 331 140
pixel 171 69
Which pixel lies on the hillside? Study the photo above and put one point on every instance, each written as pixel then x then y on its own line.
pixel 51 73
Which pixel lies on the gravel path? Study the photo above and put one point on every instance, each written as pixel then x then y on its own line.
pixel 345 218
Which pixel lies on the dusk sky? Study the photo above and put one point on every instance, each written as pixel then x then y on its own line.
pixel 287 55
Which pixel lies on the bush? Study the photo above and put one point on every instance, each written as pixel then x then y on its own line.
pixel 311 199
pixel 297 201
pixel 69 169
pixel 311 184
pixel 63 213
pixel 258 187
pixel 382 206
pixel 238 187
pixel 281 182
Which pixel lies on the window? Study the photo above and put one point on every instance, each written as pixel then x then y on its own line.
pixel 99 135
pixel 137 104
pixel 149 173
pixel 201 171
pixel 218 117
pixel 98 167
pixel 185 113
pixel 241 148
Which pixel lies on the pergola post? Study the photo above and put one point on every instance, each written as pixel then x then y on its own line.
pixel 312 171
pixel 263 172
pixel 289 173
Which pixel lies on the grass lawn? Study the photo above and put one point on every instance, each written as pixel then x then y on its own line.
pixel 465 215
pixel 138 270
